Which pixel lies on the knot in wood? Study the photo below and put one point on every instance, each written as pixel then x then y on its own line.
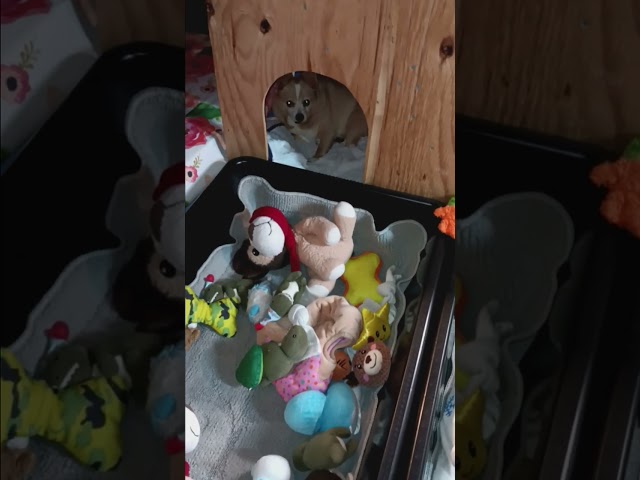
pixel 265 26
pixel 446 48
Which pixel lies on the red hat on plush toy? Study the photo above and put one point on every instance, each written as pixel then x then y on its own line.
pixel 167 215
pixel 271 234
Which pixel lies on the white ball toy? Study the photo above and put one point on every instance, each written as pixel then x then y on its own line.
pixel 271 467
pixel 191 431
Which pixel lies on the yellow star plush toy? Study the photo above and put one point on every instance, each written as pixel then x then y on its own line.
pixel 361 279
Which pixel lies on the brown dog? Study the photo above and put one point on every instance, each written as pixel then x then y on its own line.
pixel 319 110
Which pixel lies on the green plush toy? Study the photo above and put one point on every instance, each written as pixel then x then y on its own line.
pixel 632 152
pixel 68 365
pixel 267 363
pixel 325 451
pixel 219 315
pixel 288 293
pixel 72 364
pixel 84 419
pixel 229 288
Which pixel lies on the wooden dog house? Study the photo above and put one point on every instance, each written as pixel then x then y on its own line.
pixel 395 56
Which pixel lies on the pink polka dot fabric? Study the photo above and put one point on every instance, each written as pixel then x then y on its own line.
pixel 303 377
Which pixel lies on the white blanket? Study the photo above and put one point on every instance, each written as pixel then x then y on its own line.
pixel 340 161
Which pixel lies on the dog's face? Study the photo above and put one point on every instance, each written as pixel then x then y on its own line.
pixel 295 100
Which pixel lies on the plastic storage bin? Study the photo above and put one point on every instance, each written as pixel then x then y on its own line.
pixel 392 437
pixel 573 365
pixel 64 248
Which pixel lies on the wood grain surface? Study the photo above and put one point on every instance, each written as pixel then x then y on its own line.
pixel 388 53
pixel 117 22
pixel 563 67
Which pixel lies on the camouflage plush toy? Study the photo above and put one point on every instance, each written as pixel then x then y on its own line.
pixel 83 419
pixel 220 315
pixel 216 306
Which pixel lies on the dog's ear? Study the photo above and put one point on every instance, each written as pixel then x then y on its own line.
pixel 309 78
pixel 279 83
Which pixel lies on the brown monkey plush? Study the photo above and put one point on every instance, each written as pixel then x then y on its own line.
pixel 149 290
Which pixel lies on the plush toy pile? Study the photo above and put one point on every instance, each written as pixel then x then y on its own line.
pixel 78 393
pixel 314 347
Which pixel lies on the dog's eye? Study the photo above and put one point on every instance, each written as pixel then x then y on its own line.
pixel 289 103
pixel 167 270
pixel 306 102
pixel 255 252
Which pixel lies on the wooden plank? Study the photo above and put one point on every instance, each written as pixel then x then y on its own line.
pixel 397 75
pixel 562 67
pixel 417 139
pixel 118 22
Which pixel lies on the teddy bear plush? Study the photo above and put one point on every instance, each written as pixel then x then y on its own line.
pixel 321 245
pixel 372 364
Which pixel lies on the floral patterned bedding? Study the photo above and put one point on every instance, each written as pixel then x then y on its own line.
pixel 32 85
pixel 204 144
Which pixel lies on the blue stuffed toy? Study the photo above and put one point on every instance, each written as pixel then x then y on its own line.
pixel 312 412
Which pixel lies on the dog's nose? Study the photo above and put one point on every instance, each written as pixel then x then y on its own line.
pixel 299 117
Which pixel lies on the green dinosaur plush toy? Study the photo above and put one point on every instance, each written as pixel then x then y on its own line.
pixel 266 363
pixel 84 419
pixel 72 364
pixel 228 288
pixel 67 366
pixel 325 450
pixel 288 293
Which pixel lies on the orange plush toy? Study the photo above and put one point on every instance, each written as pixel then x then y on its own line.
pixel 447 216
pixel 622 180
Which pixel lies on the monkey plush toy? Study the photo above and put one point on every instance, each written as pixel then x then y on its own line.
pixel 149 289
